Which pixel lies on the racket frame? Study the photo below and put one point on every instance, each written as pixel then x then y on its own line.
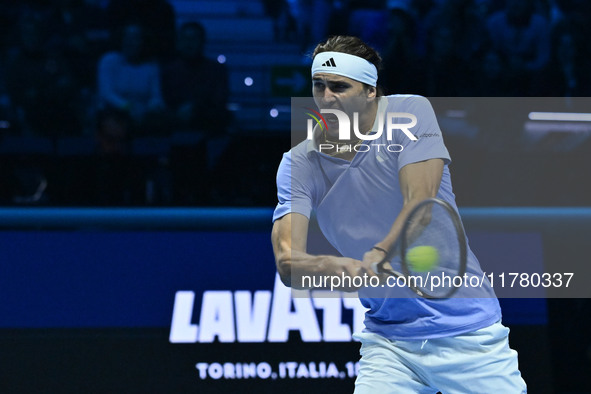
pixel 400 247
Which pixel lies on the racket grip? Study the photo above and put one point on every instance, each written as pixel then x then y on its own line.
pixel 374 267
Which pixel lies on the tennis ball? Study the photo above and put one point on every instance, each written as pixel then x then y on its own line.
pixel 422 258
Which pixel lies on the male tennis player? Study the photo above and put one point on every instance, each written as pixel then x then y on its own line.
pixel 361 197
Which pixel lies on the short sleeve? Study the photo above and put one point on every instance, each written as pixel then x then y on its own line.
pixel 293 192
pixel 429 143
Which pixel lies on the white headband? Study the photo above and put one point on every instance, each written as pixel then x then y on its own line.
pixel 349 66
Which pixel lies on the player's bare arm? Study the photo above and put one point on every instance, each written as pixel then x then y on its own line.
pixel 289 236
pixel 418 181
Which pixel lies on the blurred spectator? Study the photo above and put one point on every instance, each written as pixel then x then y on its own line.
pixel 577 13
pixel 80 28
pixel 312 20
pixel 117 179
pixel 130 106
pixel 284 24
pixel 41 84
pixel 488 78
pixel 9 12
pixel 450 34
pixel 196 91
pixel 194 87
pixel 128 81
pixel 113 132
pixel 156 16
pixel 569 58
pixel 445 74
pixel 368 20
pixel 8 119
pixel 472 32
pixel 422 11
pixel 405 68
pixel 563 72
pixel 522 36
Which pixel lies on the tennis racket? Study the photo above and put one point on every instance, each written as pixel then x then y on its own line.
pixel 430 251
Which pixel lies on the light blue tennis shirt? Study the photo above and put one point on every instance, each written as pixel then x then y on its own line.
pixel 356 204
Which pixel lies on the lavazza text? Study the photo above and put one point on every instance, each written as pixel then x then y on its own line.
pixel 264 316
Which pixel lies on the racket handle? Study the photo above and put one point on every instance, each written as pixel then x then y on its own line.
pixel 374 267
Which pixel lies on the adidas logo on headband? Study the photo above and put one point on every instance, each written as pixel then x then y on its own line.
pixel 329 63
pixel 350 66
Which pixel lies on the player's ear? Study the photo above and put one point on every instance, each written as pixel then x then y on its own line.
pixel 372 92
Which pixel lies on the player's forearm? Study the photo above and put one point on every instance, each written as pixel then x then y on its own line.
pixel 292 265
pixel 303 271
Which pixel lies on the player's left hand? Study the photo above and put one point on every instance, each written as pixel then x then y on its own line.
pixel 369 258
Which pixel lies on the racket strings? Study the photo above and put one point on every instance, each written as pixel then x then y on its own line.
pixel 432 225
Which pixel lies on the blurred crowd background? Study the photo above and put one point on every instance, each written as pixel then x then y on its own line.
pixel 186 102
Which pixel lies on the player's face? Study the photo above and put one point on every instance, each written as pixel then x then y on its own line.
pixel 337 92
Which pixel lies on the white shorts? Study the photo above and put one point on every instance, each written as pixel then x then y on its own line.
pixel 477 362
